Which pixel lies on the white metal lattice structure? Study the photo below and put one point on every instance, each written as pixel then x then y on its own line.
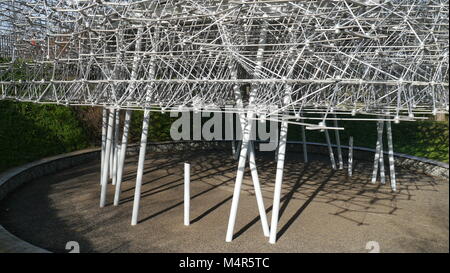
pixel 271 59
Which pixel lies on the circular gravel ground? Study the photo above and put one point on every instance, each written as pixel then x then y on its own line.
pixel 321 210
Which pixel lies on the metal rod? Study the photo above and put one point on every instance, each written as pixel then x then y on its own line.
pixel 278 182
pixel 187 178
pixel 106 162
pixel 257 186
pixel 140 168
pixel 305 151
pixel 382 172
pixel 239 178
pixel 376 160
pixel 330 150
pixel 123 152
pixel 338 143
pixel 350 157
pixel 391 157
pixel 104 131
pixel 116 146
pixel 111 155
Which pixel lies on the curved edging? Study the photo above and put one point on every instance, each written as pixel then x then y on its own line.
pixel 13 178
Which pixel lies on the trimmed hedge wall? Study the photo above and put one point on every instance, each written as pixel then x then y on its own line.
pixel 31 131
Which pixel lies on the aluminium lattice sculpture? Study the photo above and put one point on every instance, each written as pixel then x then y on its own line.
pixel 273 59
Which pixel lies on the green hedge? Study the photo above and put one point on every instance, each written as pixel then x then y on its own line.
pixel 426 138
pixel 31 131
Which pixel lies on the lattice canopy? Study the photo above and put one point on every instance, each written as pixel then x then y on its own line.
pixel 368 56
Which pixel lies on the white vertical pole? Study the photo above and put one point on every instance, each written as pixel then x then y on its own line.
pixel 278 182
pixel 104 131
pixel 123 152
pixel 305 151
pixel 382 172
pixel 111 155
pixel 116 146
pixel 106 162
pixel 391 157
pixel 233 143
pixel 338 143
pixel 350 157
pixel 330 150
pixel 376 160
pixel 258 193
pixel 140 169
pixel 187 194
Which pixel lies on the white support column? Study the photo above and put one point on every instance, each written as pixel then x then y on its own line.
pixel 123 151
pixel 305 151
pixel 382 172
pixel 104 176
pixel 252 162
pixel 376 160
pixel 330 149
pixel 258 193
pixel 187 193
pixel 140 168
pixel 391 157
pixel 116 146
pixel 338 143
pixel 239 177
pixel 238 149
pixel 111 155
pixel 281 156
pixel 350 157
pixel 104 131
pixel 229 117
pixel 145 125
pixel 278 182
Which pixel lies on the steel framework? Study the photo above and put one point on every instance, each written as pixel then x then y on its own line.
pixel 271 59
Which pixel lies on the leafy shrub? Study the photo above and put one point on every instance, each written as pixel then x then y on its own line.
pixel 31 131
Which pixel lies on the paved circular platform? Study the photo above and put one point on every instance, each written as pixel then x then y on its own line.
pixel 321 210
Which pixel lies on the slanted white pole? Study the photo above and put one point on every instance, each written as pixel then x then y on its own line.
pixel 350 157
pixel 281 155
pixel 187 194
pixel 116 146
pixel 391 157
pixel 376 160
pixel 106 162
pixel 257 186
pixel 338 143
pixel 382 172
pixel 305 151
pixel 246 131
pixel 123 152
pixel 239 177
pixel 104 131
pixel 144 136
pixel 276 152
pixel 330 150
pixel 252 161
pixel 278 182
pixel 140 169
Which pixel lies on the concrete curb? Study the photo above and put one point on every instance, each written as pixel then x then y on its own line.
pixel 13 178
